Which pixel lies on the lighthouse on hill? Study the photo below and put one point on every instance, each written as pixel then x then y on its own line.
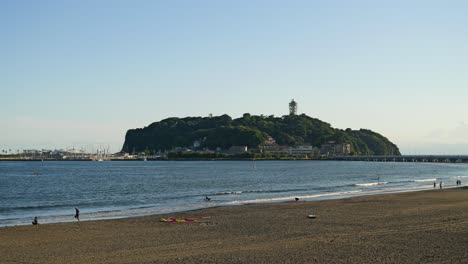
pixel 292 107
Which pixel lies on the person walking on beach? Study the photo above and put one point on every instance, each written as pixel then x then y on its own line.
pixel 440 185
pixel 77 214
pixel 434 185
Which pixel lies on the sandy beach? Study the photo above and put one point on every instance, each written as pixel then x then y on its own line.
pixel 417 227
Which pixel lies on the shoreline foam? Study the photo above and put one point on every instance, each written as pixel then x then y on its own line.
pixel 151 210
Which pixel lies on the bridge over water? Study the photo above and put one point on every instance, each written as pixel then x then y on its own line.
pixel 408 158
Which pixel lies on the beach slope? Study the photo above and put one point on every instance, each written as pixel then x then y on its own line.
pixel 417 227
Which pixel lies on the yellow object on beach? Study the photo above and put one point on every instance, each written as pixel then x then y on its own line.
pixel 182 220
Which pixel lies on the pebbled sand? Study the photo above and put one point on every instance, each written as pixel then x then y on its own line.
pixel 418 227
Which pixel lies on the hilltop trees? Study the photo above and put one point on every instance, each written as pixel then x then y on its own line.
pixel 249 130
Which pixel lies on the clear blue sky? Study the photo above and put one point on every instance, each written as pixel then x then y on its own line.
pixel 80 73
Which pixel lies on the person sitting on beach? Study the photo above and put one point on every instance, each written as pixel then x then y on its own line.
pixel 35 222
pixel 77 214
pixel 207 198
pixel 297 199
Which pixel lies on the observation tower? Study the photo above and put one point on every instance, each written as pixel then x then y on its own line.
pixel 292 107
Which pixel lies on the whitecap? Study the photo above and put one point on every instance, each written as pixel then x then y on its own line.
pixel 369 184
pixel 426 180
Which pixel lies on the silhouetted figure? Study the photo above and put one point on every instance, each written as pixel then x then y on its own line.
pixel 35 222
pixel 207 198
pixel 435 185
pixel 440 185
pixel 77 214
pixel 297 199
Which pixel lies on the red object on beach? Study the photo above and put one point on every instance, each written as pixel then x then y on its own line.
pixel 178 220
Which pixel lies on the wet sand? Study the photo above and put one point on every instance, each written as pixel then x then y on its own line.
pixel 418 227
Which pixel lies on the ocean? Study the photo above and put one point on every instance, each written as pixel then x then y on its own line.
pixel 51 190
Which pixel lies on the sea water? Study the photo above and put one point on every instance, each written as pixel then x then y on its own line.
pixel 51 190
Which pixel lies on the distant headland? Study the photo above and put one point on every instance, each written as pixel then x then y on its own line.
pixel 254 136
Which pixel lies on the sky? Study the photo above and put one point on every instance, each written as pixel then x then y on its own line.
pixel 79 74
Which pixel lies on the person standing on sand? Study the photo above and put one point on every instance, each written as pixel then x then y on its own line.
pixel 434 185
pixel 77 214
pixel 440 185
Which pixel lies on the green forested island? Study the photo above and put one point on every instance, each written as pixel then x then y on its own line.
pixel 218 133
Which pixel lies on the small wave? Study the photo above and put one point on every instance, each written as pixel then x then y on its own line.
pixel 369 184
pixel 259 191
pixel 457 177
pixel 54 206
pixel 393 182
pixel 291 198
pixel 426 180
pixel 33 207
pixel 228 193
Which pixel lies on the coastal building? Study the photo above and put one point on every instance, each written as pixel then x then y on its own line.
pixel 269 145
pixel 328 149
pixel 196 144
pixel 280 150
pixel 237 150
pixel 343 149
pixel 31 151
pixel 121 155
pixel 303 151
pixel 331 148
pixel 269 141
